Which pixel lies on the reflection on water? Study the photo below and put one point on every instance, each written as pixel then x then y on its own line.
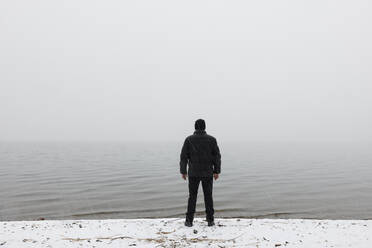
pixel 137 180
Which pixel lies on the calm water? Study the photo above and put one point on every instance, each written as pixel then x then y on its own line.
pixel 136 180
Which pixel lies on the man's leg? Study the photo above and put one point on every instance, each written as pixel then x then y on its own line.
pixel 193 193
pixel 207 183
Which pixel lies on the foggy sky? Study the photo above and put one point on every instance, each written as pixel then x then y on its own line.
pixel 145 70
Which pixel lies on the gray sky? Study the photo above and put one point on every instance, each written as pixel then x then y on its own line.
pixel 145 70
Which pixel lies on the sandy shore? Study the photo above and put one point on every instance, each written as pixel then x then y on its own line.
pixel 172 233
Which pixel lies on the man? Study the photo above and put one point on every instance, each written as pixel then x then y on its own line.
pixel 200 151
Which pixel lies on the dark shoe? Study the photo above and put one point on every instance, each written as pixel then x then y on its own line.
pixel 211 223
pixel 188 223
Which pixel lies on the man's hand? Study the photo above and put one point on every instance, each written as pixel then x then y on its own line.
pixel 184 176
pixel 215 176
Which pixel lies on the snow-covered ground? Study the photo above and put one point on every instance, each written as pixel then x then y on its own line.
pixel 294 233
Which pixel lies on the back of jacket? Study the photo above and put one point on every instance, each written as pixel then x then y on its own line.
pixel 201 152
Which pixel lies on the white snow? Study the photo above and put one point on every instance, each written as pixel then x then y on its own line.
pixel 294 233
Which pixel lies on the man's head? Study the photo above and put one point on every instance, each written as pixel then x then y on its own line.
pixel 200 124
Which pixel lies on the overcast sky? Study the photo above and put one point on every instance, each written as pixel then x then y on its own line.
pixel 145 70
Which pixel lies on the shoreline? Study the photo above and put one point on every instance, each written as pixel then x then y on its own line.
pixel 171 232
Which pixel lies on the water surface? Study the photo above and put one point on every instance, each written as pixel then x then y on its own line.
pixel 142 180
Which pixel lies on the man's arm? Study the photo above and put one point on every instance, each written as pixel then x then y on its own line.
pixel 184 157
pixel 216 158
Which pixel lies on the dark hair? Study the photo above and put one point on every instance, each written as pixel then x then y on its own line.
pixel 200 124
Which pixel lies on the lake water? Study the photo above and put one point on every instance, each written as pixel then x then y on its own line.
pixel 142 180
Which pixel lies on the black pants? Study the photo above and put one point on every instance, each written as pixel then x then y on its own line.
pixel 207 183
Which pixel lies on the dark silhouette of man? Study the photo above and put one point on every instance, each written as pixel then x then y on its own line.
pixel 200 151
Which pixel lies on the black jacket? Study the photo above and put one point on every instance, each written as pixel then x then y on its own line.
pixel 201 152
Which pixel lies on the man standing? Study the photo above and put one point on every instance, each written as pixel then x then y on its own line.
pixel 200 151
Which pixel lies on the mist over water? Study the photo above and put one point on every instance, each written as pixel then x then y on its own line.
pixel 70 180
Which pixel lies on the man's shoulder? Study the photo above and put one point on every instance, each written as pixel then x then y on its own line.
pixel 204 136
pixel 213 140
pixel 189 137
pixel 210 136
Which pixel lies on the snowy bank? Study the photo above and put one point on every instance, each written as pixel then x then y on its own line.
pixel 172 233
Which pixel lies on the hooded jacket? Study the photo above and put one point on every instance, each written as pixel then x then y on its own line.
pixel 201 152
